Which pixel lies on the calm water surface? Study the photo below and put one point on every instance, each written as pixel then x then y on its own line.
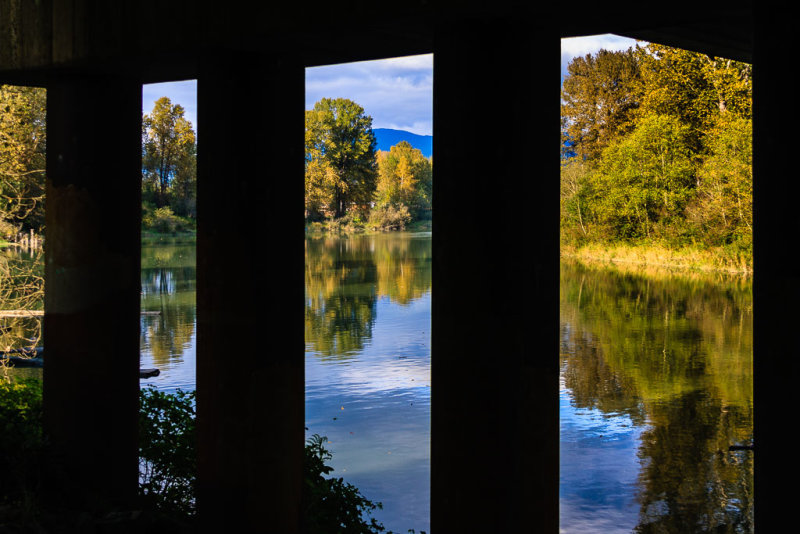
pixel 367 331
pixel 656 382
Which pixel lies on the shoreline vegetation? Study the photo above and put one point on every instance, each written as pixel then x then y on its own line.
pixel 660 258
pixel 347 226
pixel 656 161
pixel 350 186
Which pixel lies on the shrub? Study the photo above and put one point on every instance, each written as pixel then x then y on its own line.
pixel 163 220
pixel 331 504
pixel 389 217
pixel 168 462
pixel 167 450
pixel 21 443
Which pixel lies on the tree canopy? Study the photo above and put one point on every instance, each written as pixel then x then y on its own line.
pixel 341 170
pixel 599 98
pixel 169 149
pixel 405 177
pixel 660 148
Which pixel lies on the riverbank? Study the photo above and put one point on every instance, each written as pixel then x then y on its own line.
pixel 685 258
pixel 358 227
pixel 168 237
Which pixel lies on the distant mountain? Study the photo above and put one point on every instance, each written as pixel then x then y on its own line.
pixel 387 138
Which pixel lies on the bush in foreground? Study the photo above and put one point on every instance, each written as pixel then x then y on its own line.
pixel 167 459
pixel 21 443
pixel 167 465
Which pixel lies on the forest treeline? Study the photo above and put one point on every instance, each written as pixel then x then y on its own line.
pixel 657 151
pixel 169 164
pixel 349 184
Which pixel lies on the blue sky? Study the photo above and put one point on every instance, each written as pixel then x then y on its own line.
pixel 397 92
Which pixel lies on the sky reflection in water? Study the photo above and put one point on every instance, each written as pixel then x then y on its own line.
pixel 371 396
pixel 656 383
pixel 367 357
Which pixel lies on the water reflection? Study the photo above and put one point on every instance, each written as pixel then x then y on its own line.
pixel 168 321
pixel 367 335
pixel 346 277
pixel 368 366
pixel 656 370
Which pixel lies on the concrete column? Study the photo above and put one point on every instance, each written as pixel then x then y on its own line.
pixel 495 441
pixel 776 283
pixel 92 251
pixel 250 346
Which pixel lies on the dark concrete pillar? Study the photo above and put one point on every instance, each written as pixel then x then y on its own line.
pixel 92 251
pixel 494 464
pixel 250 347
pixel 776 284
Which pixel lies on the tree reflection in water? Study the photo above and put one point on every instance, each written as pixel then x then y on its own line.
pixel 168 301
pixel 674 354
pixel 344 279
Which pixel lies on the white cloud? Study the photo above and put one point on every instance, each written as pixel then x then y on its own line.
pixel 396 92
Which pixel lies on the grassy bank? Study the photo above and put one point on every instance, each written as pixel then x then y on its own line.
pixel 347 225
pixel 654 255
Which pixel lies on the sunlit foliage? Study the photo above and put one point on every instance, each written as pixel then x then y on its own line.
pixel 405 177
pixel 662 139
pixel 169 158
pixel 599 98
pixel 340 158
pixel 22 159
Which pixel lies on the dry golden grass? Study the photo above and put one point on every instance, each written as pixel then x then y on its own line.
pixel 659 257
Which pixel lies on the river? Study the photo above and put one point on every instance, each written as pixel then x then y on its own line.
pixel 367 336
pixel 656 385
pixel 656 381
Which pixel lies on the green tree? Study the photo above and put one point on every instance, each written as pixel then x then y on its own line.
pixel 168 154
pixel 405 177
pixel 599 96
pixel 575 197
pixel 693 87
pixel 645 180
pixel 22 159
pixel 341 170
pixel 184 185
pixel 723 210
